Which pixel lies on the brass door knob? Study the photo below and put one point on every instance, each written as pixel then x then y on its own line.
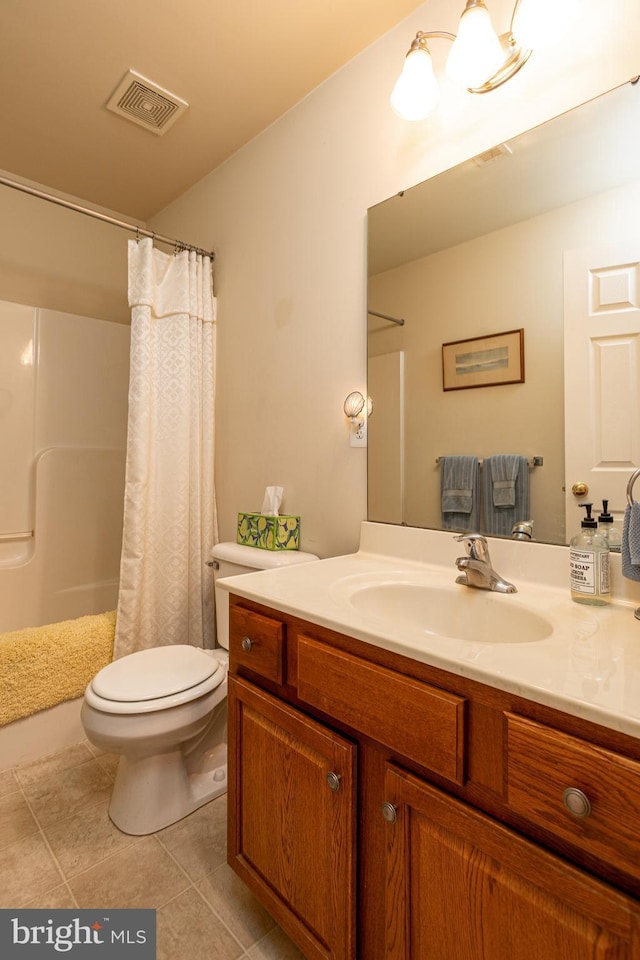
pixel 580 489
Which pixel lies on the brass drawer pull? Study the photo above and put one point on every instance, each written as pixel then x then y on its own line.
pixel 333 781
pixel 576 802
pixel 246 644
pixel 389 812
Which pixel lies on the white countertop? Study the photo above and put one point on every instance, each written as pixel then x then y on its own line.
pixel 588 665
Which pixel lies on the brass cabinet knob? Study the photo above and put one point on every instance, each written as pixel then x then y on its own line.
pixel 389 812
pixel 333 781
pixel 580 489
pixel 576 802
pixel 246 644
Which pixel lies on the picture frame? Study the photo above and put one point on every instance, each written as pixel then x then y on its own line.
pixel 488 361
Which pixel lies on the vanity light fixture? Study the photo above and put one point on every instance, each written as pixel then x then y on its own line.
pixel 479 59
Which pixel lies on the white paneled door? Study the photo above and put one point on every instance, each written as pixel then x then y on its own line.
pixel 602 376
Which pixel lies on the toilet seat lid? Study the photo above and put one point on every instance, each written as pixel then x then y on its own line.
pixel 152 674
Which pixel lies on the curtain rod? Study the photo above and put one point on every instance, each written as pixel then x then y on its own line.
pixel 140 231
pixel 385 316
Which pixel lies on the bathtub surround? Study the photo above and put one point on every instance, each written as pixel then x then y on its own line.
pixel 47 731
pixel 170 523
pixel 43 666
pixel 70 374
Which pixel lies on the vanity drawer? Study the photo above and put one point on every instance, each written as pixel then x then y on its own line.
pixel 257 642
pixel 543 762
pixel 415 720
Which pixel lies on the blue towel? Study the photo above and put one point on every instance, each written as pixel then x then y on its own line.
pixel 460 494
pixel 505 485
pixel 631 542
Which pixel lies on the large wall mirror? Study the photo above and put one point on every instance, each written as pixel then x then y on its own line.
pixel 481 250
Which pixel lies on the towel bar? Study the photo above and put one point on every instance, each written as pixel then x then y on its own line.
pixel 532 461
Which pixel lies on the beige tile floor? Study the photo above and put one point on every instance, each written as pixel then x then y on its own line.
pixel 58 848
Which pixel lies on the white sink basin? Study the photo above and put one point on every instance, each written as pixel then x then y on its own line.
pixel 465 613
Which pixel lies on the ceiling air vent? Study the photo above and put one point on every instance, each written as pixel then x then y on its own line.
pixel 145 103
pixel 502 150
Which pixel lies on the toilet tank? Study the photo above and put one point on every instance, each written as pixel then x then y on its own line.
pixel 232 559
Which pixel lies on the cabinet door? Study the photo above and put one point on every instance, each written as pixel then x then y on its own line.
pixel 461 886
pixel 292 826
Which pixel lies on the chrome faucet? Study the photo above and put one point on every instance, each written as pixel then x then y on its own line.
pixel 476 570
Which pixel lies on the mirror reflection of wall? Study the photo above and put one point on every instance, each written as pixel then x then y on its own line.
pixel 480 251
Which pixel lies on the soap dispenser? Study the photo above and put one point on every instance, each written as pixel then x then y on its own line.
pixel 589 563
pixel 609 529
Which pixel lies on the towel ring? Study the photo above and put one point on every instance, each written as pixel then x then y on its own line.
pixel 632 479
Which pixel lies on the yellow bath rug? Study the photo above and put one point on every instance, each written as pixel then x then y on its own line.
pixel 43 666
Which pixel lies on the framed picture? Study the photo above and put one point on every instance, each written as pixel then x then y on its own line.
pixel 483 361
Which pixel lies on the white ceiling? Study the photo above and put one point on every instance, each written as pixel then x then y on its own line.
pixel 240 64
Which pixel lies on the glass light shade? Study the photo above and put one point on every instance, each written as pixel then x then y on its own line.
pixel 541 23
pixel 416 92
pixel 476 53
pixel 353 404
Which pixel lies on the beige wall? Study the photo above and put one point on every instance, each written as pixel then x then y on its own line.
pixel 287 215
pixel 507 279
pixel 56 258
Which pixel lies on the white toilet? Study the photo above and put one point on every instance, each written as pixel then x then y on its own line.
pixel 164 711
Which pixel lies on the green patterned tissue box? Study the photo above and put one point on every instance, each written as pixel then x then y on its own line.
pixel 268 533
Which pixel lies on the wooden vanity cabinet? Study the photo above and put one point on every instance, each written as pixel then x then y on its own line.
pixel 461 886
pixel 445 835
pixel 292 819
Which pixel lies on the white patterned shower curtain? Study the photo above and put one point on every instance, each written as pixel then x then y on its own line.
pixel 170 522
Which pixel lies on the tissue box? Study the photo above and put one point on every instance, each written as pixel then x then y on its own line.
pixel 269 533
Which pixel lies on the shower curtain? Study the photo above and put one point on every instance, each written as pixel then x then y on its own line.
pixel 170 522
